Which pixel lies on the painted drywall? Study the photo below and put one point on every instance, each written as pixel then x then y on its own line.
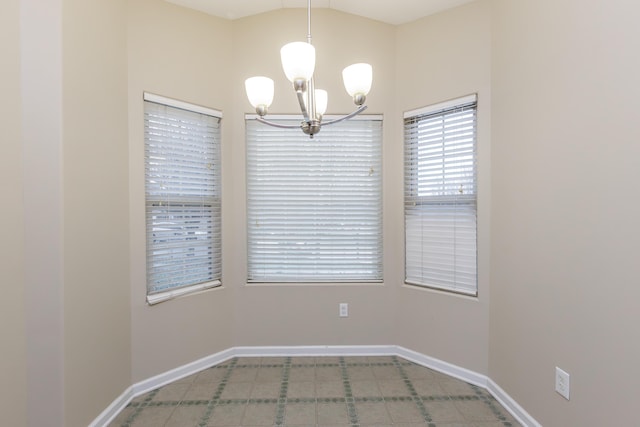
pixel 442 57
pixel 13 371
pixel 41 121
pixel 182 54
pixel 304 314
pixel 97 325
pixel 565 167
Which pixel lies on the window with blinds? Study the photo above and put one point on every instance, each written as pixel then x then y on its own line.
pixel 182 174
pixel 440 196
pixel 314 206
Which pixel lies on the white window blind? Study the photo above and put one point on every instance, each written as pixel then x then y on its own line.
pixel 314 206
pixel 440 196
pixel 182 171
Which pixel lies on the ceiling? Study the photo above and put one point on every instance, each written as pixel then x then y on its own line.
pixel 390 11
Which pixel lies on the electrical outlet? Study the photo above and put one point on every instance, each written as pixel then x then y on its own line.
pixel 562 383
pixel 344 309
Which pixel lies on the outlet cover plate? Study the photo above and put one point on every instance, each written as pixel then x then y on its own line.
pixel 562 383
pixel 344 309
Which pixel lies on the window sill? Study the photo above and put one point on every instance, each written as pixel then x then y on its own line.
pixel 159 297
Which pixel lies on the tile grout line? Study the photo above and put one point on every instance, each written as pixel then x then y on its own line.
pixel 216 396
pixel 139 409
pixel 284 388
pixel 414 395
pixel 351 405
pixel 488 400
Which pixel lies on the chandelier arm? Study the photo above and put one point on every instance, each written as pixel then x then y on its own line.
pixel 301 94
pixel 277 125
pixel 348 116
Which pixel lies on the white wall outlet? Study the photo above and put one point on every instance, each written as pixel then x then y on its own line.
pixel 344 309
pixel 562 383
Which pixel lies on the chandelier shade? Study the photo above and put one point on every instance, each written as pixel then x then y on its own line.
pixel 259 91
pixel 298 62
pixel 357 79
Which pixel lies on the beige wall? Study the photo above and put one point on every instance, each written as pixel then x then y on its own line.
pixel 557 234
pixel 13 372
pixel 565 168
pixel 182 54
pixel 442 57
pixel 308 314
pixel 97 338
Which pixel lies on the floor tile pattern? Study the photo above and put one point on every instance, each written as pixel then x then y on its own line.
pixel 316 391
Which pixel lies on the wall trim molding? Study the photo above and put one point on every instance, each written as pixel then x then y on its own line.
pixel 458 372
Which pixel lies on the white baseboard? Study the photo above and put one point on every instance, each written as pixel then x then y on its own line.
pixel 463 374
pixel 511 405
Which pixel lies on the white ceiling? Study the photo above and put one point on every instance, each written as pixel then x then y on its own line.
pixel 391 11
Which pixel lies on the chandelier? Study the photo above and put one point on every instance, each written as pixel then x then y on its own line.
pixel 298 62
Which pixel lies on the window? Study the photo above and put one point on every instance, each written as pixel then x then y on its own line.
pixel 182 174
pixel 440 196
pixel 314 206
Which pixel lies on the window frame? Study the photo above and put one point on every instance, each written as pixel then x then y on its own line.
pixel 210 205
pixel 256 279
pixel 457 203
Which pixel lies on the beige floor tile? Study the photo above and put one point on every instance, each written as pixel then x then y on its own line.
pixel 328 373
pixel 302 360
pixel 153 416
pixel 242 361
pixel 186 416
pixel 300 414
pixel 380 359
pixel 301 390
pixel 393 388
pixel 365 389
pixel 122 417
pixel 269 374
pixel 300 374
pixel 330 389
pixel 454 387
pixel 243 375
pixel 274 360
pixel 415 372
pixel 332 413
pixel 444 411
pixel 237 391
pixel 359 373
pixel 226 415
pixel 373 413
pixel 475 410
pixel 385 372
pixel 427 388
pixel 172 393
pixel 266 390
pixel 200 392
pixel 259 414
pixel 404 412
pixel 211 375
pixel 356 359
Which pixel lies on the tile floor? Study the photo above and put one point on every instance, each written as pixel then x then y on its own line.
pixel 316 391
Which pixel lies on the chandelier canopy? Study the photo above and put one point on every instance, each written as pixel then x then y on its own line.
pixel 298 62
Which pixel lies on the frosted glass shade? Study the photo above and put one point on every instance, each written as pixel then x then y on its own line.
pixel 298 60
pixel 322 97
pixel 259 91
pixel 357 79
